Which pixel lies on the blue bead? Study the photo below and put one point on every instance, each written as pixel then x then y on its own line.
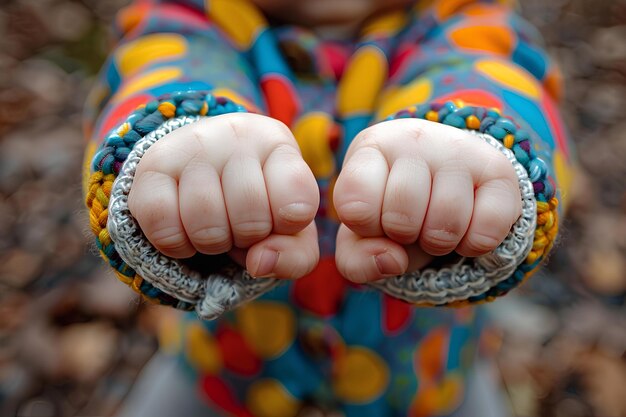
pixel 465 111
pixel 497 132
pixel 486 123
pixel 455 121
pixel 506 125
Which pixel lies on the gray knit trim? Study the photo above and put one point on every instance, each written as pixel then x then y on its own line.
pixel 211 294
pixel 473 276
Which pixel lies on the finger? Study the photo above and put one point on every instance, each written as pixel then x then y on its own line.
pixel 496 208
pixel 358 193
pixel 449 210
pixel 406 199
pixel 153 201
pixel 365 259
pixel 284 256
pixel 202 208
pixel 292 190
pixel 246 200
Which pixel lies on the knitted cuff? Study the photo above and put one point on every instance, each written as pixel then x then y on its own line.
pixel 492 275
pixel 137 263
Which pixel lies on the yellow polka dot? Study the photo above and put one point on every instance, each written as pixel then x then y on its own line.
pixel 149 48
pixel 170 332
pixel 398 98
pixel 201 349
pixel 238 18
pixel 387 24
pixel 269 398
pixel 511 76
pixel 311 133
pixel 361 376
pixel 148 80
pixel 362 81
pixel 564 176
pixel 268 327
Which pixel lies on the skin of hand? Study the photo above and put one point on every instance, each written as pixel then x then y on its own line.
pixel 235 184
pixel 411 189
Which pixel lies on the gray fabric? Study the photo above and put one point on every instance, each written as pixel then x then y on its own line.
pixel 163 390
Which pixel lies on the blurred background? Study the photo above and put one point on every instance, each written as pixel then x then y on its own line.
pixel 72 339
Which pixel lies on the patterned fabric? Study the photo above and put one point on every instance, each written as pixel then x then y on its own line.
pixel 321 339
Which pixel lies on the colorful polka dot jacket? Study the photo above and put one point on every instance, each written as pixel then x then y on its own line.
pixel 471 64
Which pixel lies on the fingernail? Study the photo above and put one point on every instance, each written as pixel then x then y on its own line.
pixel 267 263
pixel 387 264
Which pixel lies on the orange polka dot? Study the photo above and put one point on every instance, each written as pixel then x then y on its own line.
pixel 496 39
pixel 446 8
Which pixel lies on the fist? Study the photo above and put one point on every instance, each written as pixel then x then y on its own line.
pixel 233 184
pixel 412 189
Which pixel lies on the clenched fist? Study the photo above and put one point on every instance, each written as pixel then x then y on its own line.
pixel 233 184
pixel 411 189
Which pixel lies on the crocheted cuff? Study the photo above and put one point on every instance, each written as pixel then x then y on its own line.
pixel 137 263
pixel 486 277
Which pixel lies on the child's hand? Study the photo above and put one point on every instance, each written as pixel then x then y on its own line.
pixel 430 187
pixel 229 183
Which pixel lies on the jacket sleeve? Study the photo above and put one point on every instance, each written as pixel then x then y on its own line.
pixel 170 65
pixel 476 65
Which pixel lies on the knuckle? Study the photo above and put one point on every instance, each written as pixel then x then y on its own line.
pixel 400 225
pixel 482 243
pixel 357 213
pixel 297 213
pixel 440 239
pixel 169 238
pixel 251 229
pixel 215 238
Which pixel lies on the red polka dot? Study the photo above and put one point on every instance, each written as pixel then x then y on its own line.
pixel 220 395
pixel 280 98
pixel 322 291
pixel 396 314
pixel 237 355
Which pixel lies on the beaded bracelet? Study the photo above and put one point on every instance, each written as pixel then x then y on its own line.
pixel 488 124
